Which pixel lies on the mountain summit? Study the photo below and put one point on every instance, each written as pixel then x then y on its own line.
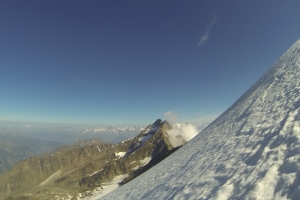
pixel 252 151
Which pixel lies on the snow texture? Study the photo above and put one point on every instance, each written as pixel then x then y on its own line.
pixel 252 151
pixel 145 161
pixel 108 187
pixel 120 154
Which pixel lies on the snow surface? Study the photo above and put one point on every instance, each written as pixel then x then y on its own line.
pixel 252 151
pixel 108 187
pixel 95 172
pixel 98 149
pixel 120 154
pixel 145 138
pixel 142 163
pixel 145 161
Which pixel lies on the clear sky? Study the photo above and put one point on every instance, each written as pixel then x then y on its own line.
pixel 131 62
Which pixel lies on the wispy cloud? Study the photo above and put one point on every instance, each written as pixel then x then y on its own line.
pixel 197 118
pixel 93 84
pixel 205 37
pixel 171 117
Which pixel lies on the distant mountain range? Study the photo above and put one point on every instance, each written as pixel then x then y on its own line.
pixel 70 134
pixel 89 168
pixel 18 142
pixel 15 147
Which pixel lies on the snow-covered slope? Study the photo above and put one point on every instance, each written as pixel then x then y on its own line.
pixel 252 151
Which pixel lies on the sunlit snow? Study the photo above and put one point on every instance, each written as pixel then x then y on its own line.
pixel 108 187
pixel 120 154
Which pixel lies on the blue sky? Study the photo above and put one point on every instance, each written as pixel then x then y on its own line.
pixel 130 62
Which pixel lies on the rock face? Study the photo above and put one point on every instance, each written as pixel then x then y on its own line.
pixel 82 169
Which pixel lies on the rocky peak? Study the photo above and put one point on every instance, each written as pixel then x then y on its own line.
pixel 165 125
pixel 157 123
pixel 88 165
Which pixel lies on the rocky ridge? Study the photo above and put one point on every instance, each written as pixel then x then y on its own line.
pixel 80 170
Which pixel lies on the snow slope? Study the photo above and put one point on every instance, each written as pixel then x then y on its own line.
pixel 252 151
pixel 109 186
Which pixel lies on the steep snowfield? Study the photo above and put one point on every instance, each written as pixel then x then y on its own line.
pixel 108 187
pixel 252 151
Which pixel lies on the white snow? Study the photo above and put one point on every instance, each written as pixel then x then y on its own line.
pixel 95 172
pixel 127 140
pixel 108 187
pixel 120 154
pixel 252 151
pixel 145 161
pixel 97 129
pixel 142 163
pixel 98 148
pixel 145 138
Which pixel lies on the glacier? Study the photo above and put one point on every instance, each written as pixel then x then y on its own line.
pixel 251 151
